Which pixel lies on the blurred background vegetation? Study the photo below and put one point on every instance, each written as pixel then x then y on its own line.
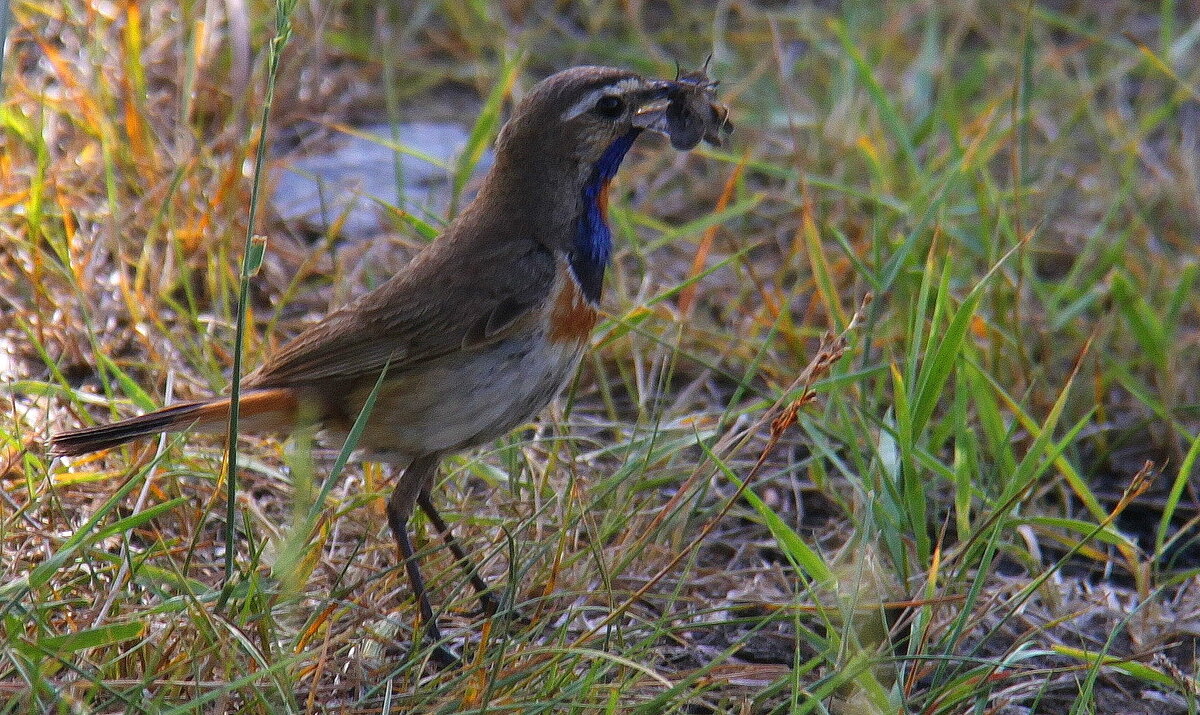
pixel 981 501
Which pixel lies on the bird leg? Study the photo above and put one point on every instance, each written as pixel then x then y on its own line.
pixel 487 600
pixel 419 473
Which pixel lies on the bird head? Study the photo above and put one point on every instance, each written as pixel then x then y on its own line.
pixel 584 116
pixel 564 143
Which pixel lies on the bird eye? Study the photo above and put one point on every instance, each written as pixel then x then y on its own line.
pixel 610 106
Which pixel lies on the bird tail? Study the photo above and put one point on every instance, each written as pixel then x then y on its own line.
pixel 268 410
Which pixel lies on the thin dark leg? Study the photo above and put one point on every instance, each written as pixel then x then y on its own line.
pixel 487 600
pixel 418 583
pixel 399 509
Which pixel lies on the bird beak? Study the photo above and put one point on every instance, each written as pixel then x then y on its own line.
pixel 653 116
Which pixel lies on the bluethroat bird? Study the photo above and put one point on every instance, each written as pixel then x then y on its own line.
pixel 484 327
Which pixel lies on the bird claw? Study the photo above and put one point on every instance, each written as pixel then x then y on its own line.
pixel 489 606
pixel 443 657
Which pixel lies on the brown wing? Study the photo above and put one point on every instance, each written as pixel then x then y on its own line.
pixel 452 297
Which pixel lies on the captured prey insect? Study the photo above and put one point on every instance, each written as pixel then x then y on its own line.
pixel 693 114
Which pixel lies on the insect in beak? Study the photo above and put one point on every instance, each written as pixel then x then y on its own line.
pixel 685 110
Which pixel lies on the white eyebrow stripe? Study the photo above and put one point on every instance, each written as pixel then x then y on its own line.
pixel 617 88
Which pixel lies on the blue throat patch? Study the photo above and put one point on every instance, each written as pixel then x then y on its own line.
pixel 593 238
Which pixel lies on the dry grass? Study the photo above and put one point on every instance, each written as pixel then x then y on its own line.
pixel 950 516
